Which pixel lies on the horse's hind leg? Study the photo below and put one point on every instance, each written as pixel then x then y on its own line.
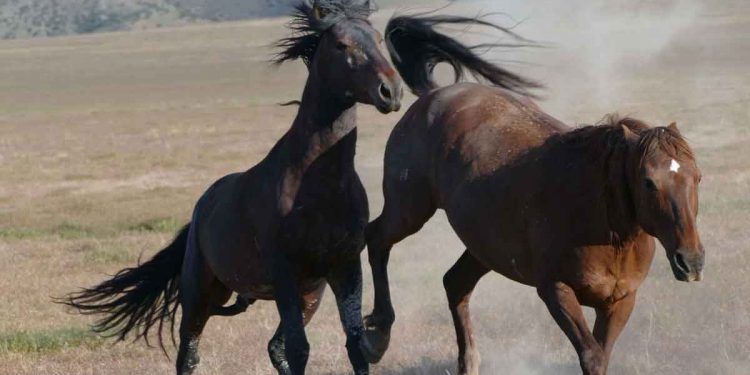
pixel 408 205
pixel 199 290
pixel 311 302
pixel 240 305
pixel 459 282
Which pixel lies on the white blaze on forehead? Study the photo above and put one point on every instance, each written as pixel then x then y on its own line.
pixel 674 166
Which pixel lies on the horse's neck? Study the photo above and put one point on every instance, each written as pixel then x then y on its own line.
pixel 608 205
pixel 322 123
pixel 618 197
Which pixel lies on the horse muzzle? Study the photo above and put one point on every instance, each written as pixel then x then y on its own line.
pixel 687 265
pixel 388 97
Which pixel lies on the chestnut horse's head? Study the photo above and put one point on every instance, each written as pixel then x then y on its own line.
pixel 664 184
pixel 344 52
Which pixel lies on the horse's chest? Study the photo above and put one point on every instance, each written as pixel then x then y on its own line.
pixel 601 276
pixel 321 230
pixel 600 289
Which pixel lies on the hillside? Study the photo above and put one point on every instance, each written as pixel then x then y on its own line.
pixel 32 18
pixel 39 18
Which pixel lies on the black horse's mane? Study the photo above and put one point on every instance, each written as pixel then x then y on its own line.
pixel 311 20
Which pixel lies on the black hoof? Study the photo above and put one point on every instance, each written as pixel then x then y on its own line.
pixel 374 341
pixel 189 367
pixel 283 368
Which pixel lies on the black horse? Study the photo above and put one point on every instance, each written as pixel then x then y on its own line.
pixel 285 227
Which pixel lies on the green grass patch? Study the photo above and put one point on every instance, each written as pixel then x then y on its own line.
pixel 19 233
pixel 159 225
pixel 106 255
pixel 48 340
pixel 69 231
pixel 65 231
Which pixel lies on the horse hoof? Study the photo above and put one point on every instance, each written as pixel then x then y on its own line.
pixel 284 369
pixel 373 345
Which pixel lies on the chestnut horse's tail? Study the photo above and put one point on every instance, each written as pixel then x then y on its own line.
pixel 138 298
pixel 416 47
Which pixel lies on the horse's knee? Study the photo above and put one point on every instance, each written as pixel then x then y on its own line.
pixel 593 362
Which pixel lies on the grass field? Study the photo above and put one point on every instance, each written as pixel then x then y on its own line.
pixel 106 141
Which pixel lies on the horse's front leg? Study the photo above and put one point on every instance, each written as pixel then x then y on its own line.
pixel 610 322
pixel 565 308
pixel 345 280
pixel 289 304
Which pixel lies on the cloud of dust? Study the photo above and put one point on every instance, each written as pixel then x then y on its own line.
pixel 603 39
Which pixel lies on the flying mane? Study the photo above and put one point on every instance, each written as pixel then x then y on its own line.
pixel 606 141
pixel 310 21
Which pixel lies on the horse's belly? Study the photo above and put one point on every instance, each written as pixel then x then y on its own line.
pixel 239 266
pixel 243 271
pixel 510 261
pixel 499 250
pixel 265 291
pixel 235 257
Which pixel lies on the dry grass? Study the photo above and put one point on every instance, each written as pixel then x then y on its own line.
pixel 106 141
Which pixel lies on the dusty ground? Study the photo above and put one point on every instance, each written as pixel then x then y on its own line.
pixel 106 141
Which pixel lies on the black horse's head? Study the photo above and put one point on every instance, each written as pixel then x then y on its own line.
pixel 341 48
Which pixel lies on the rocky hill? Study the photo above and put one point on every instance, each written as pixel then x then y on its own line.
pixel 32 18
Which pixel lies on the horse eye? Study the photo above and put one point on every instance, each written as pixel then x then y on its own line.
pixel 341 46
pixel 650 185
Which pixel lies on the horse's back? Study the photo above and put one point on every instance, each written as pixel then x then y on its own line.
pixel 463 132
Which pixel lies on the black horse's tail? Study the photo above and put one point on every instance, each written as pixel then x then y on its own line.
pixel 416 47
pixel 136 299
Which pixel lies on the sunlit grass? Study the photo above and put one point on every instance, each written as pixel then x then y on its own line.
pixel 108 253
pixel 43 341
pixel 159 225
pixel 66 231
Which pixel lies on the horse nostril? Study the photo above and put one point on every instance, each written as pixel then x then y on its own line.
pixel 385 92
pixel 680 261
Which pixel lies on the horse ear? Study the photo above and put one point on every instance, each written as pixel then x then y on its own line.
pixel 629 135
pixel 673 127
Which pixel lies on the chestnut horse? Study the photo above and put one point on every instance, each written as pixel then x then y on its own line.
pixel 284 228
pixel 571 212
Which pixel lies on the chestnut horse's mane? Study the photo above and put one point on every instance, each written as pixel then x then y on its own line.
pixel 608 133
pixel 606 141
pixel 652 139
